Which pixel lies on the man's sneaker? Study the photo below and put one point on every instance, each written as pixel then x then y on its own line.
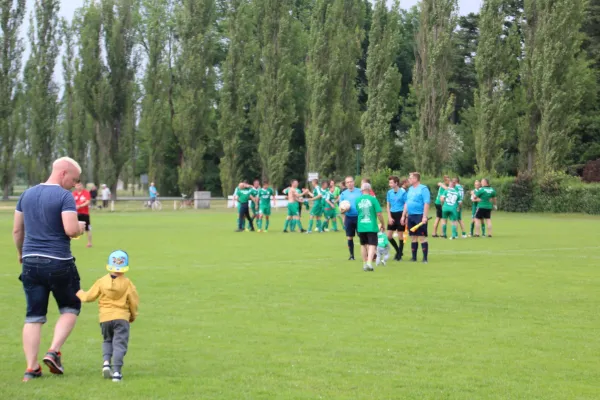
pixel 302 230
pixel 351 258
pixel 452 238
pixel 52 361
pixel 32 374
pixel 489 236
pixel 464 236
pixel 308 232
pixel 259 231
pixel 434 236
pixel 239 230
pixel 383 262
pixel 117 377
pixel 106 371
pixel 285 231
pixel 425 262
pixel 413 260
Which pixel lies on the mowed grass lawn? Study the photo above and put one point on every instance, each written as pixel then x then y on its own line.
pixel 271 316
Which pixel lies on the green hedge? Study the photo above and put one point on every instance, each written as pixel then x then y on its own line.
pixel 556 193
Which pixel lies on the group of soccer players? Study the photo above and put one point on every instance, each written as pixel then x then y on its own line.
pixel 255 202
pixel 448 204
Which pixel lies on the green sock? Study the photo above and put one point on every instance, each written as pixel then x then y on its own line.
pixel 334 223
pixel 300 224
pixel 293 227
pixel 310 225
pixel 325 224
pixel 454 231
pixel 444 230
pixel 319 226
pixel 287 225
pixel 259 224
pixel 267 225
pixel 472 227
pixel 483 229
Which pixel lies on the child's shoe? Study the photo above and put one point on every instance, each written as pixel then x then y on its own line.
pixel 117 377
pixel 106 371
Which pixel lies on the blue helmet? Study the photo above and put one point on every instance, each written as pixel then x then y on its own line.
pixel 118 261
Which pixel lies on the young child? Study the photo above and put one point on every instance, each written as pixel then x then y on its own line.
pixel 383 249
pixel 118 304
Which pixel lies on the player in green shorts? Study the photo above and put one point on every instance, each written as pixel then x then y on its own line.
pixel 438 204
pixel 337 191
pixel 316 211
pixel 329 212
pixel 451 202
pixel 293 218
pixel 265 196
pixel 461 192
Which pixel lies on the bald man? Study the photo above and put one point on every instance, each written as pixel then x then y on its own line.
pixel 45 221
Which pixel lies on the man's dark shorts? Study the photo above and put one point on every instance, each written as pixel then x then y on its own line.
pixel 438 211
pixel 351 224
pixel 414 220
pixel 368 238
pixel 397 225
pixel 483 213
pixel 85 218
pixel 42 276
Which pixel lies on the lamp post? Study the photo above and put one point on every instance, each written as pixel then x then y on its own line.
pixel 358 147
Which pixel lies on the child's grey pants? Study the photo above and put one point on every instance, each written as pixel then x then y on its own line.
pixel 116 339
pixel 382 252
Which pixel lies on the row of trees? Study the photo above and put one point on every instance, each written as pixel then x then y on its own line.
pixel 203 93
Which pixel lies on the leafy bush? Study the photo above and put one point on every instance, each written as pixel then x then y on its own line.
pixel 519 194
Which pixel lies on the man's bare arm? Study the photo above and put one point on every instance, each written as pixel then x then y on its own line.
pixel 19 233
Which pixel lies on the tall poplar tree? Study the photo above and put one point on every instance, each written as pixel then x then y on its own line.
pixel 42 90
pixel 195 94
pixel 12 13
pixel 384 82
pixel 432 138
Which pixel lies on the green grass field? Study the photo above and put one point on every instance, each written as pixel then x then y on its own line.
pixel 272 316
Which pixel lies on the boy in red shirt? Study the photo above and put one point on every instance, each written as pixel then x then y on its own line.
pixel 82 202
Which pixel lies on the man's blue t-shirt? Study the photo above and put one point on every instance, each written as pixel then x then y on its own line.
pixel 153 192
pixel 416 199
pixel 396 200
pixel 42 207
pixel 351 196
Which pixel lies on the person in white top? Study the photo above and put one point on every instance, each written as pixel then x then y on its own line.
pixel 105 196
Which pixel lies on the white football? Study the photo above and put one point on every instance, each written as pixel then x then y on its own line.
pixel 344 206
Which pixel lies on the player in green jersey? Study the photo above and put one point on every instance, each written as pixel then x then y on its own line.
pixel 254 192
pixel 316 211
pixel 243 197
pixel 329 211
pixel 336 191
pixel 369 213
pixel 438 204
pixel 461 191
pixel 451 202
pixel 265 197
pixel 294 196
pixel 475 203
pixel 487 202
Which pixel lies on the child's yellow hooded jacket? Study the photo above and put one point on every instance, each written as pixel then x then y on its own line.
pixel 118 298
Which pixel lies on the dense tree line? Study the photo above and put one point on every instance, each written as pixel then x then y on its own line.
pixel 204 93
